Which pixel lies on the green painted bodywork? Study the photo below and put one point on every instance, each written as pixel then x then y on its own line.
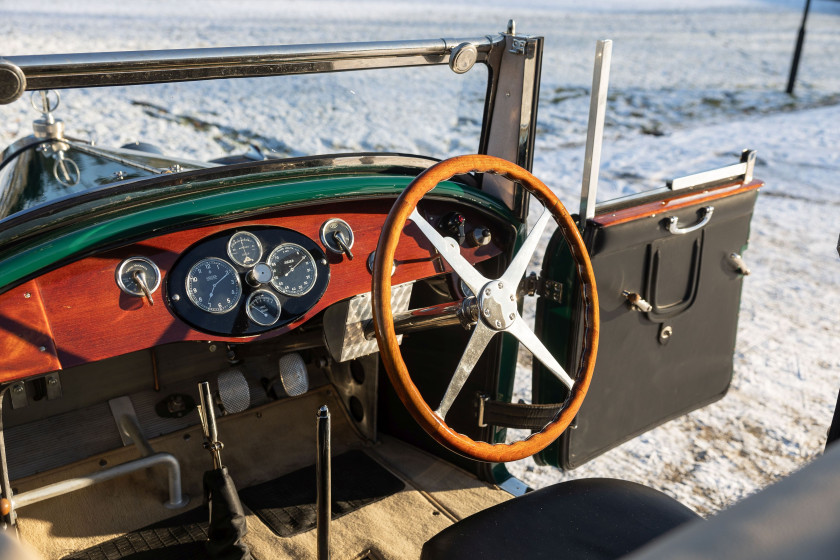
pixel 137 215
pixel 555 324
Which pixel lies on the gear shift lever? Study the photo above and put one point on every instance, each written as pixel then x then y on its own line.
pixel 208 424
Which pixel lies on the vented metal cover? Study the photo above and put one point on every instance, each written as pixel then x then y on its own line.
pixel 359 313
pixel 293 374
pixel 233 391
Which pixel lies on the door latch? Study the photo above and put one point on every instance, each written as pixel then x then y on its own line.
pixel 636 302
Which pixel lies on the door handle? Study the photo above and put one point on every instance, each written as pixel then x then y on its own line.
pixel 676 230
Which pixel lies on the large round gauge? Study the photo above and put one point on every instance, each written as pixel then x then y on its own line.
pixel 213 285
pixel 294 269
pixel 263 308
pixel 244 248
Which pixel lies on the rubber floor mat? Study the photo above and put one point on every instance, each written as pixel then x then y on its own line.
pixel 287 504
pixel 177 538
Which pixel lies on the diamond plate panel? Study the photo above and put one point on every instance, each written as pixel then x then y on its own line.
pixel 360 312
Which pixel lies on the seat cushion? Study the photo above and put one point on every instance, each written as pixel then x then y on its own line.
pixel 583 519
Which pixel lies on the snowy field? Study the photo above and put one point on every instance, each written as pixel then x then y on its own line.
pixel 692 84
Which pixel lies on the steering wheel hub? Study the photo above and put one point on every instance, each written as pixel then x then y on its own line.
pixel 497 305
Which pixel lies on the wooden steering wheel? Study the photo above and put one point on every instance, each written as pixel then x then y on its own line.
pixel 497 308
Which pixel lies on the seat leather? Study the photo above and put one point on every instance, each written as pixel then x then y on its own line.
pixel 581 519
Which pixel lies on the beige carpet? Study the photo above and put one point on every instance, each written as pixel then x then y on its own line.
pixel 260 445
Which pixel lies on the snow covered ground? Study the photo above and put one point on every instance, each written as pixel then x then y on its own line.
pixel 692 83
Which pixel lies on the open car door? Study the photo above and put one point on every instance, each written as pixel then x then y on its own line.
pixel 669 269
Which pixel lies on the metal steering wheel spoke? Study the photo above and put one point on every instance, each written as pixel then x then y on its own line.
pixel 519 264
pixel 475 347
pixel 451 253
pixel 527 337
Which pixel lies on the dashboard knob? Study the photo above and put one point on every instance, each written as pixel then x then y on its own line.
pixel 337 236
pixel 259 275
pixel 480 236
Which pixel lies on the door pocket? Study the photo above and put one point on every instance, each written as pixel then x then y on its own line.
pixel 673 276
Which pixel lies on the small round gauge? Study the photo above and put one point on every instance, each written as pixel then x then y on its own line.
pixel 294 269
pixel 244 248
pixel 133 268
pixel 213 285
pixel 263 308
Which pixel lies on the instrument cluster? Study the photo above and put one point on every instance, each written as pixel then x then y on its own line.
pixel 247 281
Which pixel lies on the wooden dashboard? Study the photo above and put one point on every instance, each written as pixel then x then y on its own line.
pixel 78 314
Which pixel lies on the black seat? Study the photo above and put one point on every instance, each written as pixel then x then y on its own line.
pixel 583 519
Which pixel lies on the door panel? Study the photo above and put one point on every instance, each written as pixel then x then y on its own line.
pixel 656 361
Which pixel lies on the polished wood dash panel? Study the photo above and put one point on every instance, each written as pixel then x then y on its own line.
pixel 85 317
pixel 26 343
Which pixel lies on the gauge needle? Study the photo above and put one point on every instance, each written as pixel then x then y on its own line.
pixel 216 284
pixel 294 266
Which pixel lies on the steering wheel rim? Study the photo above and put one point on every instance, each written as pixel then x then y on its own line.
pixel 405 208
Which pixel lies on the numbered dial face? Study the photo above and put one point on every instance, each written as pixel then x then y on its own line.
pixel 294 269
pixel 263 308
pixel 244 248
pixel 213 285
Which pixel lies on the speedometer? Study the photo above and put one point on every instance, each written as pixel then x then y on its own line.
pixel 294 271
pixel 213 285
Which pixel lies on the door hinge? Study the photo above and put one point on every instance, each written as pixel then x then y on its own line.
pixel 533 285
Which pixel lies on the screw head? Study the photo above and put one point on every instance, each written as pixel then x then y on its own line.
pixel 51 380
pixel 501 285
pixel 176 297
pixel 17 388
pixel 487 312
pixel 27 295
pixel 487 292
pixel 498 324
pixel 42 348
pixel 512 297
pixel 512 316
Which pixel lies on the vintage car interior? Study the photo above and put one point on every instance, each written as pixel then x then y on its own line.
pixel 321 330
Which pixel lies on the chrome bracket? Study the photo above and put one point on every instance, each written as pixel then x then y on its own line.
pixel 533 285
pixel 518 46
pixel 53 386
pixel 18 395
pixel 553 290
pixel 482 400
pixel 123 407
pixel 514 487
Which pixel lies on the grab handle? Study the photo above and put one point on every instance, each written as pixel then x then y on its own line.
pixel 676 230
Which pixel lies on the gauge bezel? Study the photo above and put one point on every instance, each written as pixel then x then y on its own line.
pixel 199 305
pixel 276 299
pixel 312 282
pixel 252 236
pixel 329 244
pixel 122 267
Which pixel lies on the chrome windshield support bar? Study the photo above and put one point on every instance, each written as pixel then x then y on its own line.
pixel 176 498
pixel 41 72
pixel 595 131
pixel 511 113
